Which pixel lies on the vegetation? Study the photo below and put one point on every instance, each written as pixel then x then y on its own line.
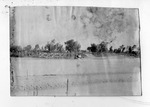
pixel 15 51
pixel 71 50
pixel 72 46
pixel 101 49
pixel 50 50
pixel 54 47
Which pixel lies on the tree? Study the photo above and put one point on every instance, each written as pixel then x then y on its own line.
pixel 111 49
pixel 134 47
pixel 37 47
pixel 50 46
pixel 27 48
pixel 93 47
pixel 15 50
pixel 59 47
pixel 77 46
pixel 72 46
pixel 89 49
pixel 102 47
pixel 135 50
pixel 54 47
pixel 122 48
pixel 42 48
pixel 130 49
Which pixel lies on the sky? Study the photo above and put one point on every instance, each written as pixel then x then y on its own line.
pixel 39 25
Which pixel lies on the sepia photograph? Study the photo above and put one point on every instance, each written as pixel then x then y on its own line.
pixel 74 51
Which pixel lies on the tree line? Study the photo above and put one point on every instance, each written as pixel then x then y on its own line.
pixel 72 46
pixel 50 47
pixel 102 48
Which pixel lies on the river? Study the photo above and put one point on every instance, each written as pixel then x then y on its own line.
pixel 82 77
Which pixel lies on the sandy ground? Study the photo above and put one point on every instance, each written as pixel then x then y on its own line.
pixel 83 77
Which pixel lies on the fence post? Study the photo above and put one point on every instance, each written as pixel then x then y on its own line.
pixel 67 87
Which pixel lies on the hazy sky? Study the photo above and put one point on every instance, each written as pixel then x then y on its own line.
pixel 38 25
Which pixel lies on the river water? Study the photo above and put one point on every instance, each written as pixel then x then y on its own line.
pixel 82 77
